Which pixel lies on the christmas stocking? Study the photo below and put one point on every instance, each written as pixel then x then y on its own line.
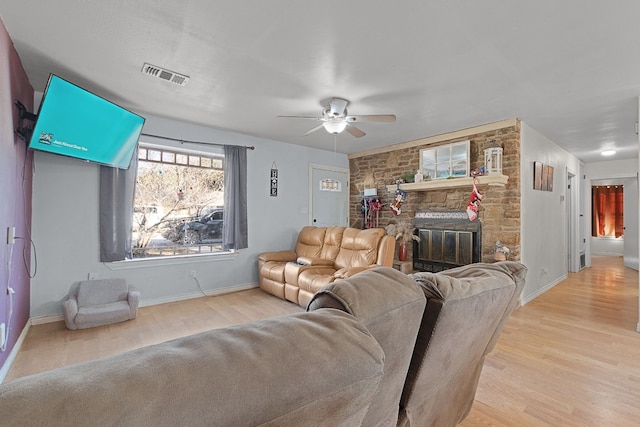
pixel 474 201
pixel 396 205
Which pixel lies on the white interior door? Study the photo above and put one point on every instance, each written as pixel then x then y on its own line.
pixel 630 213
pixel 329 188
pixel 572 252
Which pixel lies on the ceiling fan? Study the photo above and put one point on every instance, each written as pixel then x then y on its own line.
pixel 335 119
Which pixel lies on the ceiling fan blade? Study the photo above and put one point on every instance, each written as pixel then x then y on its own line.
pixel 354 131
pixel 337 107
pixel 304 117
pixel 314 129
pixel 372 118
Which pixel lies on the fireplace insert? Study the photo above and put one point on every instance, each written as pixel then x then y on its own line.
pixel 447 239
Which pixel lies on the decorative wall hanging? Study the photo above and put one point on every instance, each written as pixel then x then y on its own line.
pixel 274 180
pixel 547 180
pixel 371 207
pixel 542 177
pixel 537 176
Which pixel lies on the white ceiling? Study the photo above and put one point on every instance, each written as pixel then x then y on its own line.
pixel 570 69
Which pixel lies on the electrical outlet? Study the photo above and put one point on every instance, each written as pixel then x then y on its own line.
pixel 11 235
pixel 192 273
pixel 94 276
pixel 3 335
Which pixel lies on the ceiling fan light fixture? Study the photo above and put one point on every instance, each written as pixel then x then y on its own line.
pixel 335 119
pixel 335 127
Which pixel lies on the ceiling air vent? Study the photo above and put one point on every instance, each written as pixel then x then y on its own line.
pixel 161 73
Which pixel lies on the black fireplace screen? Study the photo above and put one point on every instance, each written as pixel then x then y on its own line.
pixel 447 240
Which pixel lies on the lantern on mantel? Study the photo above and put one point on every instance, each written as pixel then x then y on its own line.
pixel 493 160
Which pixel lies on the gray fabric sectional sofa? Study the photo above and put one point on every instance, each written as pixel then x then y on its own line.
pixel 370 350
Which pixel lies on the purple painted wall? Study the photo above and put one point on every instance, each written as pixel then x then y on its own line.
pixel 15 193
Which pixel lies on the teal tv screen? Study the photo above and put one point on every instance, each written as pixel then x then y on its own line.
pixel 77 123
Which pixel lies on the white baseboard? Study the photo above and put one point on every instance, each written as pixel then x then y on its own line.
pixel 39 320
pixel 191 295
pixel 14 352
pixel 527 299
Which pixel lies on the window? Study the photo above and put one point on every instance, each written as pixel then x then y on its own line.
pixel 607 209
pixel 178 207
pixel 445 161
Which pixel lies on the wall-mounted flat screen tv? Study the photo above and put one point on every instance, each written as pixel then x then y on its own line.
pixel 77 123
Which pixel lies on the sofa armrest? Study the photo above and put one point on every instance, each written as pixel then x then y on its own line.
pixel 279 256
pixel 303 260
pixel 386 251
pixel 70 309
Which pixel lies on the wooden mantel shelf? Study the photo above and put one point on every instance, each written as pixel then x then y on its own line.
pixel 435 184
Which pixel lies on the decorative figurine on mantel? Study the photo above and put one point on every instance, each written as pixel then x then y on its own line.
pixel 502 252
pixel 493 159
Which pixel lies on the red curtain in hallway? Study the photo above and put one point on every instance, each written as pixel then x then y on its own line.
pixel 607 206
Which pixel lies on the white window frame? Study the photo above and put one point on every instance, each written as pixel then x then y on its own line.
pixel 449 163
pixel 190 158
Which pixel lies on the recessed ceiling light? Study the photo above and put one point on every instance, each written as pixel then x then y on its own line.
pixel 608 152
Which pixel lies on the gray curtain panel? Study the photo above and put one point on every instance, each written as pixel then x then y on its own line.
pixel 117 192
pixel 235 230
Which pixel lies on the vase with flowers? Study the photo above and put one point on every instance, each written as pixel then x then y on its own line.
pixel 403 233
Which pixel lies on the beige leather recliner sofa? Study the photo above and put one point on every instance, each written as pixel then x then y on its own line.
pixel 322 255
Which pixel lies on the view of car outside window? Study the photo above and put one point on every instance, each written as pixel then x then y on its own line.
pixel 178 207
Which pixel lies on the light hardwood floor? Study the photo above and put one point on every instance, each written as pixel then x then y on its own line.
pixel 571 357
pixel 52 346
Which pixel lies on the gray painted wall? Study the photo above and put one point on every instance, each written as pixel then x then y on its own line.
pixel 65 222
pixel 15 196
pixel 544 214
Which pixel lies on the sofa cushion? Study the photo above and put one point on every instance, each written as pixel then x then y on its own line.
pixel 101 291
pixel 359 248
pixel 390 304
pixel 103 314
pixel 310 240
pixel 319 369
pixel 332 242
pixel 273 270
pixel 466 310
pixel 315 278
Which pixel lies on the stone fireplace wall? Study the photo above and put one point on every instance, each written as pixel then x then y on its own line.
pixel 499 210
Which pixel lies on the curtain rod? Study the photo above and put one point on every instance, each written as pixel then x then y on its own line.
pixel 182 141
